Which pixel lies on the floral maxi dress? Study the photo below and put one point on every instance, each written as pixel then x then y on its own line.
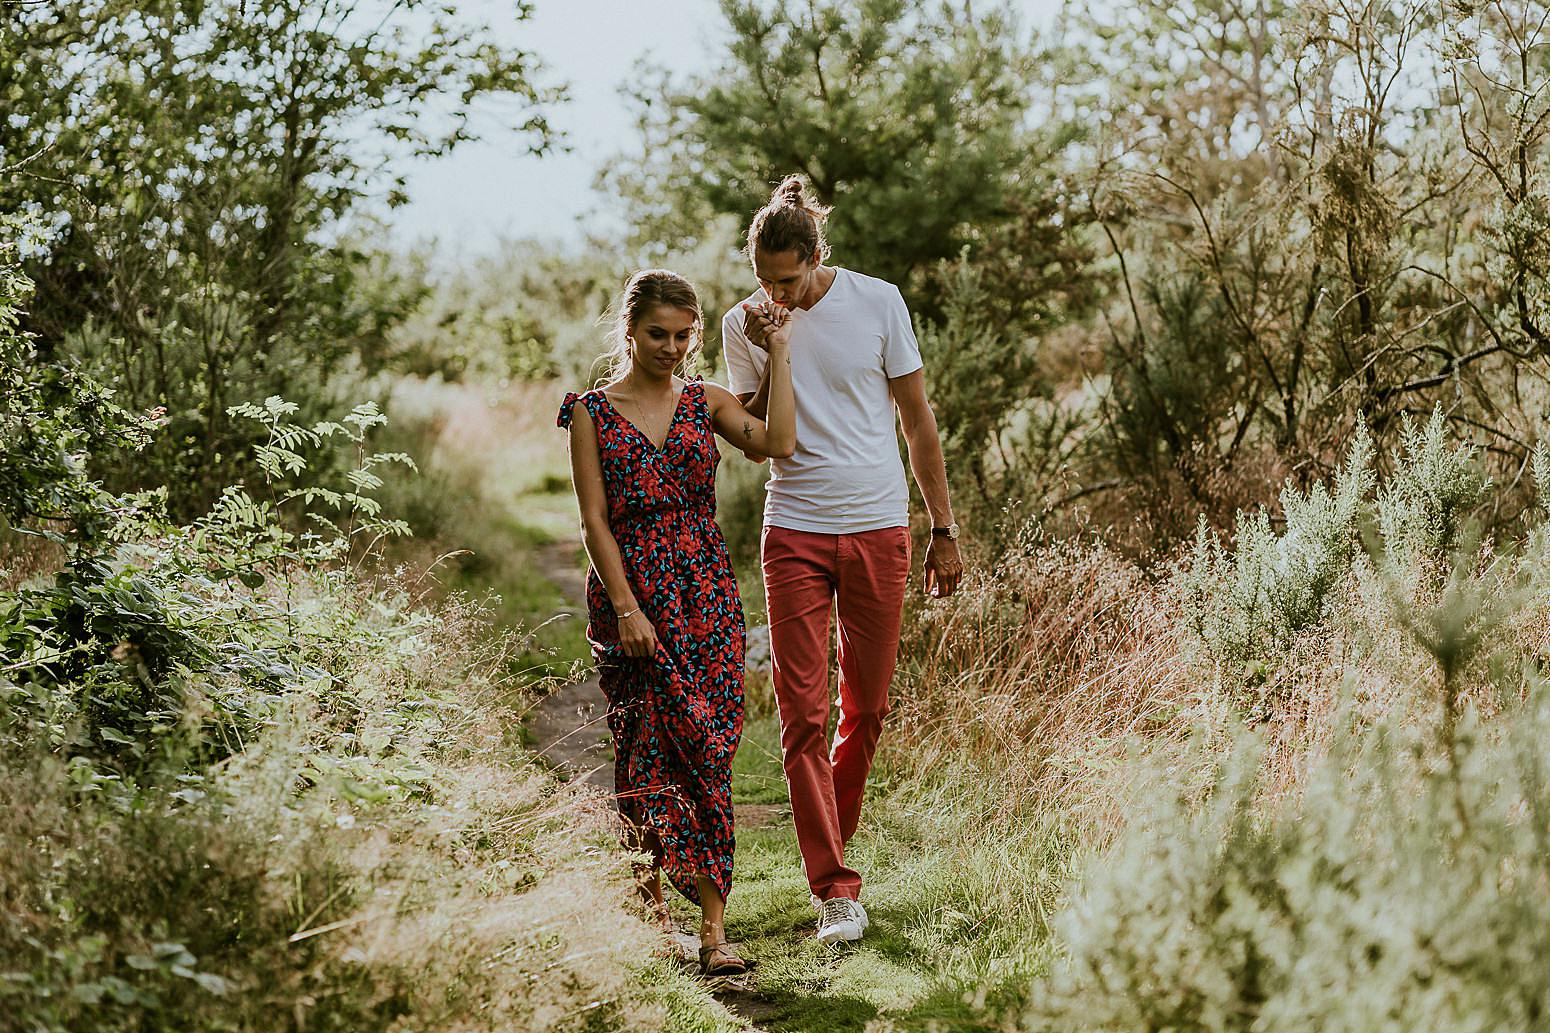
pixel 676 717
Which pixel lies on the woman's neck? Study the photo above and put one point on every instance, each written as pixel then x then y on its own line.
pixel 638 382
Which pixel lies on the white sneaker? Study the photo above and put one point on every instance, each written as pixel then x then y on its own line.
pixel 866 922
pixel 840 919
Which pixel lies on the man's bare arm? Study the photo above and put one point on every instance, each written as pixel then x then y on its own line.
pixel 925 445
pixel 944 564
pixel 758 403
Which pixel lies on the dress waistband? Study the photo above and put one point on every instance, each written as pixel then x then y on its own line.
pixel 704 514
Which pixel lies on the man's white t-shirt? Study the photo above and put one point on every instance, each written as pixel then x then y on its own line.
pixel 845 475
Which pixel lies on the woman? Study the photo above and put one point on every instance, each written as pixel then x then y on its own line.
pixel 664 617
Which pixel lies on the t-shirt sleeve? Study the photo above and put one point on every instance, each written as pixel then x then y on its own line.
pixel 901 352
pixel 742 368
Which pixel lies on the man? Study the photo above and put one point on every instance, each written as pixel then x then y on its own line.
pixel 836 521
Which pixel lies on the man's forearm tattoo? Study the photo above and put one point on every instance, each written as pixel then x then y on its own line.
pixel 747 430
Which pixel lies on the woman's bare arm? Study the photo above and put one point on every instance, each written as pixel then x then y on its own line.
pixel 636 635
pixel 776 434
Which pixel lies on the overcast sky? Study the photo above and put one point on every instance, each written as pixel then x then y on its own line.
pixel 490 189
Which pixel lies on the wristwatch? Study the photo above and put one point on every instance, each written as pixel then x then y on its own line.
pixel 950 532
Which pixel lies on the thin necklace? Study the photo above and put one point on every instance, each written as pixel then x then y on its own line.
pixel 647 426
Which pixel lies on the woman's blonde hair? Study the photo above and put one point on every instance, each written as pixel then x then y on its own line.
pixel 643 291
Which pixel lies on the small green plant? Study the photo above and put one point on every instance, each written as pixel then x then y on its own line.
pixel 280 457
pixel 1423 508
pixel 1248 605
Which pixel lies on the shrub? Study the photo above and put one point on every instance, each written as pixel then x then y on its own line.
pixel 1404 889
pixel 1248 605
pixel 244 785
pixel 148 617
pixel 1423 507
pixel 1396 896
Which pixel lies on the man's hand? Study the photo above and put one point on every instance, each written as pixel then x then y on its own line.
pixel 764 324
pixel 944 567
pixel 763 320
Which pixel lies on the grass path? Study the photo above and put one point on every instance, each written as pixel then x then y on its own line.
pixel 953 889
pixel 899 973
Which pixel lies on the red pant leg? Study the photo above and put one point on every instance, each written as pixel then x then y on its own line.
pixel 874 571
pixel 799 581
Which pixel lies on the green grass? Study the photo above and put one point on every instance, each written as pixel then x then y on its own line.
pixel 954 908
pixel 756 772
pixel 689 1006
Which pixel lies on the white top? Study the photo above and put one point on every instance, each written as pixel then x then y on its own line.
pixel 845 475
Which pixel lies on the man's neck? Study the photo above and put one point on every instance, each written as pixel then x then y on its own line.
pixel 823 279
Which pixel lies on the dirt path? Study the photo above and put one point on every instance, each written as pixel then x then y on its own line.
pixel 568 726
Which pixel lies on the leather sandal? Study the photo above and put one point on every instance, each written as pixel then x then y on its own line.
pixel 729 964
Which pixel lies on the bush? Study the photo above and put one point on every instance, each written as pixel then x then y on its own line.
pixel 378 854
pixel 1424 506
pixel 246 786
pixel 1397 895
pixel 155 640
pixel 1249 605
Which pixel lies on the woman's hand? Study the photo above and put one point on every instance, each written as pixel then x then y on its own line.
pixel 778 332
pixel 637 637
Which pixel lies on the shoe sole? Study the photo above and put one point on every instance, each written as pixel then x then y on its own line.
pixel 840 936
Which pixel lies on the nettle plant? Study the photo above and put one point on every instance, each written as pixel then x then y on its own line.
pixel 153 637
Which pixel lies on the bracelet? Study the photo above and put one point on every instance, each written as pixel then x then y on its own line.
pixel 623 616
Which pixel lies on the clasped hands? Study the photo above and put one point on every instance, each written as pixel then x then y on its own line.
pixel 767 323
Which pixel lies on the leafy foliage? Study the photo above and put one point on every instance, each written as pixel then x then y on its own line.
pixel 194 164
pixel 145 613
pixel 53 417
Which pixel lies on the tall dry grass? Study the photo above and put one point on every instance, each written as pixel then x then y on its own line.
pixel 1055 670
pixel 381 854
pixel 1046 668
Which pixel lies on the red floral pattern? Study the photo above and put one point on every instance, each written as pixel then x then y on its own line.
pixel 676 717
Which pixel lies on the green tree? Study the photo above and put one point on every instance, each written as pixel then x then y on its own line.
pixel 910 117
pixel 197 162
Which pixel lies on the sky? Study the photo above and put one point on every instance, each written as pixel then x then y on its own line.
pixel 467 201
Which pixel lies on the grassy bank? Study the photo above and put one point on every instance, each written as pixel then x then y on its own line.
pixel 493 512
pixel 950 910
pixel 377 853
